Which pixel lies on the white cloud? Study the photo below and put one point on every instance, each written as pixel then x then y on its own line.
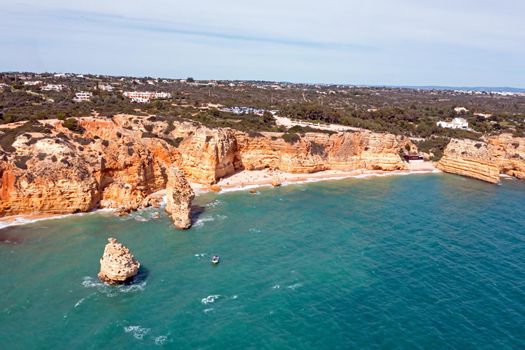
pixel 452 42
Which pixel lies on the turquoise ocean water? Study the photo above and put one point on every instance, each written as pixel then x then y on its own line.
pixel 410 262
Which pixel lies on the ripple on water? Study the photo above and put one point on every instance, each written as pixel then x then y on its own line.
pixel 210 299
pixel 137 331
pixel 141 218
pixel 214 203
pixel 79 302
pixel 295 286
pixel 201 221
pixel 161 340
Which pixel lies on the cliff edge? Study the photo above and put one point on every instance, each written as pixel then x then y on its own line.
pixel 485 160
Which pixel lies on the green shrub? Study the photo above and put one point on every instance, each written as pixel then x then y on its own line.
pixel 291 138
pixel 73 125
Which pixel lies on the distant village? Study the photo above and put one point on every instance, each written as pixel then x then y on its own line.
pixel 46 83
pixel 419 113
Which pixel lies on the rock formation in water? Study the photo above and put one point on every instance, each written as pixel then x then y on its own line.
pixel 117 264
pixel 502 154
pixel 178 198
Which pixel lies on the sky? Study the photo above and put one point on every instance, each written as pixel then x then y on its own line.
pixel 372 42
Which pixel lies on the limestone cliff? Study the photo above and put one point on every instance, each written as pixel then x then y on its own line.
pixel 509 154
pixel 65 172
pixel 118 162
pixel 117 264
pixel 208 155
pixel 485 160
pixel 178 198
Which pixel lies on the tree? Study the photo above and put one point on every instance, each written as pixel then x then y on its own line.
pixel 73 125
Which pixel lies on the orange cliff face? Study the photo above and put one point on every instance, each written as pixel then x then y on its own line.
pixel 118 162
pixel 509 154
pixel 64 172
pixel 208 155
pixel 501 154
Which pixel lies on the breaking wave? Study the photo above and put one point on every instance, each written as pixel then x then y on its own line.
pixel 112 291
pixel 138 332
pixel 209 299
pixel 214 203
pixel 201 221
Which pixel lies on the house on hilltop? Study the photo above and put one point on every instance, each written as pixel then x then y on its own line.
pixel 456 123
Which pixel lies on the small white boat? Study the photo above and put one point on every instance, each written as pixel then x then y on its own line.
pixel 215 259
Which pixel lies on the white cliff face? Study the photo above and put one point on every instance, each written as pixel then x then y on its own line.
pixel 117 264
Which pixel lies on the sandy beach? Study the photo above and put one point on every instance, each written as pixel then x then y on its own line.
pixel 249 179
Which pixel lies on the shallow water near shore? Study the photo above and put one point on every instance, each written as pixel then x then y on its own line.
pixel 423 261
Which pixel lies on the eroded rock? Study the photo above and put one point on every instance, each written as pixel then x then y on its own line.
pixel 501 154
pixel 117 264
pixel 178 198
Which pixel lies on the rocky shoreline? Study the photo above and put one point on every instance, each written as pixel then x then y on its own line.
pixel 119 163
pixel 485 160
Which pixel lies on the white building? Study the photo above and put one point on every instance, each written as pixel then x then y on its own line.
pixel 52 87
pixel 33 82
pixel 459 110
pixel 456 123
pixel 162 95
pixel 82 96
pixel 484 115
pixel 149 95
pixel 243 110
pixel 105 87
pixel 140 100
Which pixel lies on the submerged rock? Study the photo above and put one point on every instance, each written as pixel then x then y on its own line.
pixel 215 188
pixel 117 264
pixel 178 198
pixel 121 211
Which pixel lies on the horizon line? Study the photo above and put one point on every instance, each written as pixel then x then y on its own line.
pixel 404 86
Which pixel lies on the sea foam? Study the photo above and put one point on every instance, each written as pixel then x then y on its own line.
pixel 113 291
pixel 138 331
pixel 210 299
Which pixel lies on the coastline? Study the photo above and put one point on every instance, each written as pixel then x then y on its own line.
pixel 24 219
pixel 252 179
pixel 248 180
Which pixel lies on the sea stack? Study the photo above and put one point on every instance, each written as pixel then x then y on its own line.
pixel 178 198
pixel 117 264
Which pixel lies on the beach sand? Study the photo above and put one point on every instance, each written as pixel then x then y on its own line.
pixel 249 179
